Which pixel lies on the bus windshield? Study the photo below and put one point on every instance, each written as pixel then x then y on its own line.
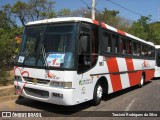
pixel 48 45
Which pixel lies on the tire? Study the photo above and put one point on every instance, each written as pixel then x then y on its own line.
pixel 97 95
pixel 141 84
pixel 20 97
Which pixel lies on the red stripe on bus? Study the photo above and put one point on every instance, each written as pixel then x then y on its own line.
pixel 96 22
pixel 121 32
pixel 103 25
pixel 149 74
pixel 130 67
pixel 115 78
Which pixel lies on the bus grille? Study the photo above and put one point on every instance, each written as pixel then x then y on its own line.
pixel 36 93
pixel 40 81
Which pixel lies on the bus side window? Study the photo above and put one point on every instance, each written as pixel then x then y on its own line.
pixel 129 47
pixel 134 49
pixel 151 52
pixel 123 50
pixel 115 41
pixel 143 50
pixel 107 42
pixel 138 49
pixel 146 51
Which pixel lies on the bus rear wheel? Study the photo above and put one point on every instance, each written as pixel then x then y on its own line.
pixel 141 84
pixel 97 95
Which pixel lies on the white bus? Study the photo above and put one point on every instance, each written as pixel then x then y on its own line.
pixel 157 67
pixel 67 61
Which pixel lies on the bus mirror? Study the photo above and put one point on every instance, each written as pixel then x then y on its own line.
pixel 83 43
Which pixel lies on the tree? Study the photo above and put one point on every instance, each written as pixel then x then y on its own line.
pixel 33 10
pixel 141 28
pixel 109 17
pixel 82 12
pixel 64 13
pixel 8 45
pixel 6 17
pixel 154 34
pixel 19 9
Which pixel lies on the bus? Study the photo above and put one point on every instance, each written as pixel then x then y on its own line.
pixel 157 64
pixel 68 61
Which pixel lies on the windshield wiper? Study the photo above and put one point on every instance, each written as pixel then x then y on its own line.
pixel 44 56
pixel 43 50
pixel 36 45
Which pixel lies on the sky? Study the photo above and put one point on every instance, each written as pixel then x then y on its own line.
pixel 143 7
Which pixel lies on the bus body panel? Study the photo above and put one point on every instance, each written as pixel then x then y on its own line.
pixel 117 75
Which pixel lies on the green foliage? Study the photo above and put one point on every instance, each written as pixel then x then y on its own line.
pixel 8 18
pixel 8 45
pixel 155 32
pixel 64 13
pixel 138 30
pixel 3 78
pixel 8 51
pixel 145 30
pixel 108 16
pixel 33 10
pixel 20 10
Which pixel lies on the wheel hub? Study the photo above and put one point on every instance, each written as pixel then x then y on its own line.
pixel 99 92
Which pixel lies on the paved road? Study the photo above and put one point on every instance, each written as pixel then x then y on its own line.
pixel 132 99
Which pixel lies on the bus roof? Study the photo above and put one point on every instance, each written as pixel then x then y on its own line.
pixel 78 19
pixel 157 46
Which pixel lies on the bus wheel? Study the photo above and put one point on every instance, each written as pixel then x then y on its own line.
pixel 98 92
pixel 141 81
pixel 20 97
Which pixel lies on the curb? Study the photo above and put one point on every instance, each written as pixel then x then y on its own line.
pixel 8 98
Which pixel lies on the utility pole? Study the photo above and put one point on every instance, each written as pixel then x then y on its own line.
pixel 93 9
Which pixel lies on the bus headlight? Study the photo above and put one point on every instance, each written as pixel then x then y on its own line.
pixel 61 84
pixel 18 78
pixel 68 85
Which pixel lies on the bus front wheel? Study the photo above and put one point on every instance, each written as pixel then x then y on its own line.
pixel 97 95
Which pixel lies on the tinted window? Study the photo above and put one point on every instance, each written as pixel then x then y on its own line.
pixel 107 42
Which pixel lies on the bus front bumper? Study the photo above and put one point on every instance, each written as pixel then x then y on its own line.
pixel 49 94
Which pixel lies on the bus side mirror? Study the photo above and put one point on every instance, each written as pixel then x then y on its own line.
pixel 83 43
